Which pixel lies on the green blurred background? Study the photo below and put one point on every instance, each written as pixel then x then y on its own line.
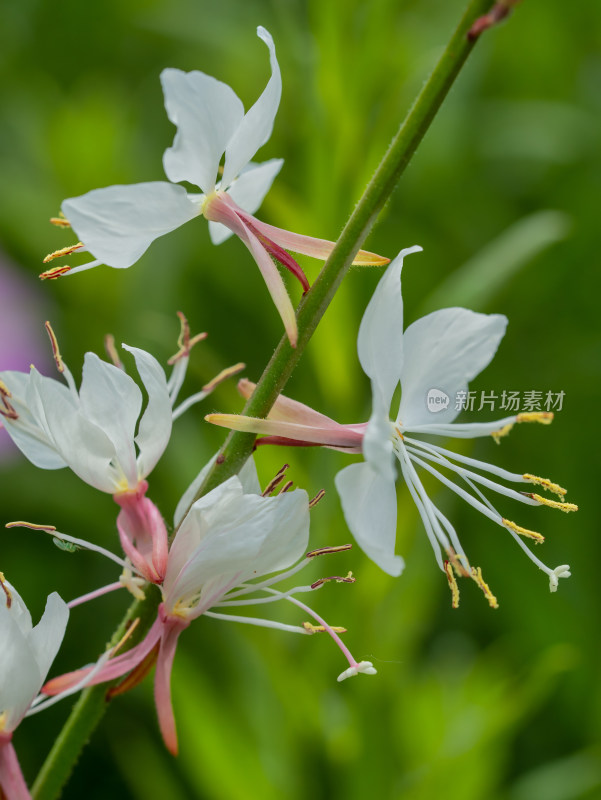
pixel 503 197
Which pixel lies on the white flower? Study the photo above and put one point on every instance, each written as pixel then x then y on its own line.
pixel 117 224
pixel 94 430
pixel 26 652
pixel 435 357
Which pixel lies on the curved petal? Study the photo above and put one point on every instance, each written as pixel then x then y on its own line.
pixel 380 341
pixel 207 113
pixel 47 636
pixel 255 129
pixel 20 678
pixel 334 435
pixel 86 449
pixel 112 401
pixel 370 509
pixel 119 223
pixel 154 430
pixel 31 439
pixel 443 352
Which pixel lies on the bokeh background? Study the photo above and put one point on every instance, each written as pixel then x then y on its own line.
pixel 503 197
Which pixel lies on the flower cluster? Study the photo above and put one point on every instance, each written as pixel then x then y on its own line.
pixel 236 545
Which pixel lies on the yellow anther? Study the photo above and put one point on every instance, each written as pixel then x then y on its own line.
pixel 544 417
pixel 64 251
pixel 324 550
pixel 184 342
pixel 320 582
pixel 111 350
pixel 55 272
pixel 538 538
pixel 61 221
pixel 6 590
pixel 226 373
pixel 554 503
pixel 31 525
pixel 448 568
pixel 546 484
pixel 457 564
pixel 58 359
pixel 4 390
pixel 321 628
pixel 8 410
pixel 315 500
pixel 477 577
pixel 3 718
pixel 398 432
pixel 498 435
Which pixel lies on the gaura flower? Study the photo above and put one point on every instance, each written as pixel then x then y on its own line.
pixel 117 224
pixel 229 538
pixel 99 432
pixel 26 654
pixel 436 356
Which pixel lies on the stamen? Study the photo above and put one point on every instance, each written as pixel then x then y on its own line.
pixel 226 373
pixel 325 550
pixel 552 503
pixel 498 435
pixel 64 251
pixel 125 636
pixel 31 525
pixel 544 417
pixel 61 221
pixel 546 484
pixel 6 590
pixel 322 629
pixel 8 411
pixel 448 568
pixel 398 432
pixel 320 494
pixel 456 562
pixel 538 538
pixel 55 272
pixel 286 487
pixel 275 481
pixel 137 675
pixel 184 342
pixel 111 350
pixel 348 579
pixel 477 576
pixel 132 583
pixel 58 360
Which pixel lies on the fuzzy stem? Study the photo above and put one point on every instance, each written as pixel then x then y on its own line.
pixel 91 706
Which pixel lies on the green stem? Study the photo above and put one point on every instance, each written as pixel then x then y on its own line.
pixel 238 446
pixel 89 709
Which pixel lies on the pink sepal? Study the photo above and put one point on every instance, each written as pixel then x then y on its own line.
pixel 143 533
pixel 172 627
pixel 12 781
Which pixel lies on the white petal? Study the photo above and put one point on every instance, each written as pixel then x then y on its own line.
pixel 119 223
pixel 20 678
pixel 30 438
pixel 85 448
pixel 249 478
pixel 47 636
pixel 443 352
pixel 370 509
pixel 377 442
pixel 238 536
pixel 255 129
pixel 112 401
pixel 380 342
pixel 154 429
pixel 206 112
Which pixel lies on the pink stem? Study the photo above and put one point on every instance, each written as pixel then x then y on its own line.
pixel 12 781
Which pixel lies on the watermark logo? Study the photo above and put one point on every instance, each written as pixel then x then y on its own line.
pixel 437 400
pixel 526 401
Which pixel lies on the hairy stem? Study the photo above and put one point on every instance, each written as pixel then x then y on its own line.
pixel 90 708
